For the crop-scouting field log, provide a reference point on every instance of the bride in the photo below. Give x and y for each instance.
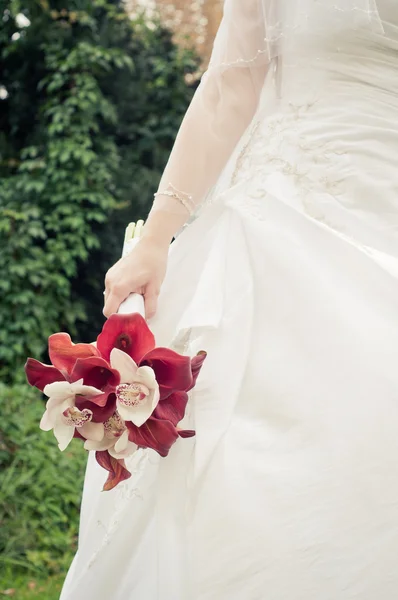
(286, 169)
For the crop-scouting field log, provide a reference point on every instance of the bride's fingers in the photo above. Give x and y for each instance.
(151, 303)
(112, 303)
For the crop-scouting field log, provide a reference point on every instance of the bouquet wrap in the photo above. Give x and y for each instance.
(135, 302)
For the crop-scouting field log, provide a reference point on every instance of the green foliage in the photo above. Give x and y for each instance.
(40, 487)
(22, 587)
(93, 105)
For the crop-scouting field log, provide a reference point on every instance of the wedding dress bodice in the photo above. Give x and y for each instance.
(355, 57)
(322, 112)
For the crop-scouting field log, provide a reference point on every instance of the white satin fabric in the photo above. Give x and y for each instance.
(288, 279)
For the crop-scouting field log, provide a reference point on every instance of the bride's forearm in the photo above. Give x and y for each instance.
(213, 124)
(163, 225)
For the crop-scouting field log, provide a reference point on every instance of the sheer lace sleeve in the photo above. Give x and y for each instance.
(252, 34)
(221, 110)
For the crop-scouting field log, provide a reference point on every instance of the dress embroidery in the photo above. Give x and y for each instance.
(124, 493)
(275, 145)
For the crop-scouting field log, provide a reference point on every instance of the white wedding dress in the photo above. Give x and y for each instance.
(289, 279)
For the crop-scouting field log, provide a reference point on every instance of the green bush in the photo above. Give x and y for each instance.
(40, 488)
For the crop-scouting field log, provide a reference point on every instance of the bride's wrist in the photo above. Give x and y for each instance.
(162, 226)
(155, 239)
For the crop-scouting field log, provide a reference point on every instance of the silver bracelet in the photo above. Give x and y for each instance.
(185, 199)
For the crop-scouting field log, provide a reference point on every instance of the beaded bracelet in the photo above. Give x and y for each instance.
(185, 199)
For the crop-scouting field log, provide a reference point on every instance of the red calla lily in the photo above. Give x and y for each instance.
(96, 372)
(64, 353)
(173, 371)
(101, 412)
(39, 375)
(129, 333)
(196, 366)
(155, 433)
(116, 468)
(172, 408)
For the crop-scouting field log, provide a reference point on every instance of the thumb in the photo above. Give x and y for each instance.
(112, 303)
(151, 302)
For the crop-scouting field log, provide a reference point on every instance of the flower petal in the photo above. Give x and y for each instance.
(46, 423)
(40, 375)
(59, 390)
(128, 451)
(64, 434)
(129, 333)
(140, 413)
(92, 431)
(124, 364)
(156, 434)
(147, 376)
(186, 433)
(104, 444)
(122, 442)
(59, 403)
(126, 412)
(173, 371)
(172, 408)
(64, 353)
(54, 409)
(117, 469)
(87, 391)
(155, 398)
(196, 366)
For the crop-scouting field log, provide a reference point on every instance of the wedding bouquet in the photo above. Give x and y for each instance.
(118, 394)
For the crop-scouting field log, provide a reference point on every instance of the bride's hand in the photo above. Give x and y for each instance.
(142, 271)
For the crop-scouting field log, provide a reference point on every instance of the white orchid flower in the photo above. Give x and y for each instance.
(137, 396)
(64, 417)
(116, 439)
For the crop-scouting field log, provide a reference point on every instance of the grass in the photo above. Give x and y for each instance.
(30, 588)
